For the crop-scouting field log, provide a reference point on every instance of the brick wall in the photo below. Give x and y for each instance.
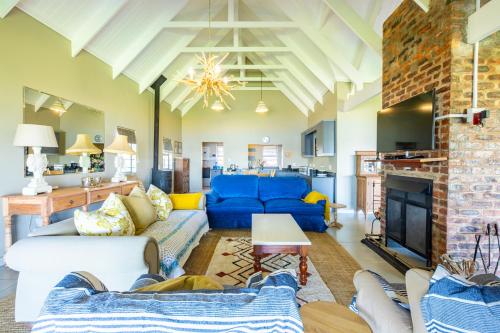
(424, 51)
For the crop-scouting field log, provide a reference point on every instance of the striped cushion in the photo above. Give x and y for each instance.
(74, 306)
(454, 304)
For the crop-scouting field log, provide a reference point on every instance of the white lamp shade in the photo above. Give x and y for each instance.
(31, 135)
(119, 146)
(217, 106)
(83, 144)
(261, 107)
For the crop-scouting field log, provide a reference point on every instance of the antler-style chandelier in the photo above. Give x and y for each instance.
(212, 81)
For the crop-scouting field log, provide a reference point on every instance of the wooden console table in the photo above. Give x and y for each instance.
(58, 200)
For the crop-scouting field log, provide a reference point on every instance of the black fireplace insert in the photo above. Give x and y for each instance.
(409, 214)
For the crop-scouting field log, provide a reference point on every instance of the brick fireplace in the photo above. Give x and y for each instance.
(424, 51)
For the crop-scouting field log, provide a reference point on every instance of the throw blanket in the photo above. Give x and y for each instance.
(176, 239)
(313, 198)
(454, 304)
(80, 303)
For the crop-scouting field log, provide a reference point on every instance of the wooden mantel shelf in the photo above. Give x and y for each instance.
(414, 162)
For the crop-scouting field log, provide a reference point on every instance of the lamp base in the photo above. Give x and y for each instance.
(28, 190)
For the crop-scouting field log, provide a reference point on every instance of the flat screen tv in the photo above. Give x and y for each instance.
(407, 126)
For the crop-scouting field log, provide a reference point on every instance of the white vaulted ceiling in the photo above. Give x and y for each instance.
(302, 47)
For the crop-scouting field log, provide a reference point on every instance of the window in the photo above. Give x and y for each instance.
(168, 154)
(129, 161)
(220, 154)
(271, 156)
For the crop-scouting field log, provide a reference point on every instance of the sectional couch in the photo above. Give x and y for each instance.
(234, 198)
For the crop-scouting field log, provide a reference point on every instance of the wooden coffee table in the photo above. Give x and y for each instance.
(279, 234)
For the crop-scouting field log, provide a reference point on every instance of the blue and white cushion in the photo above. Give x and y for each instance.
(74, 306)
(454, 304)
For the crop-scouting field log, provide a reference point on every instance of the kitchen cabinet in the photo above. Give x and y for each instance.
(319, 140)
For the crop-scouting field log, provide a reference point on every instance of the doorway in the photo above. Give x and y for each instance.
(212, 162)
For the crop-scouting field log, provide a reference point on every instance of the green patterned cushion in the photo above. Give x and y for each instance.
(112, 219)
(161, 202)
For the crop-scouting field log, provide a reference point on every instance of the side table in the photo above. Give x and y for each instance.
(329, 317)
(335, 207)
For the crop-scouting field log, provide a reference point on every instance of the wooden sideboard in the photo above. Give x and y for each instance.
(58, 200)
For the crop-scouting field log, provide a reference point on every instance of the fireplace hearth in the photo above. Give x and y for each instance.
(409, 214)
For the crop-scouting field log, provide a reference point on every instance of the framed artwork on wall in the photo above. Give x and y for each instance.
(177, 147)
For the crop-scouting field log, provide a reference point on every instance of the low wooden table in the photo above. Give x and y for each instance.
(328, 317)
(279, 234)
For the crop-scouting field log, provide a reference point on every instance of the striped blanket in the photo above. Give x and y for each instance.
(81, 303)
(176, 238)
(454, 304)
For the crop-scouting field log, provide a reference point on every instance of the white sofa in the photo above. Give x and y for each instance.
(51, 252)
(381, 313)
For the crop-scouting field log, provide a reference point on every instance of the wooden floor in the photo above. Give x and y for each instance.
(335, 265)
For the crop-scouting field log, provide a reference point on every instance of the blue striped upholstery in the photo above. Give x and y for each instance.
(270, 306)
(454, 304)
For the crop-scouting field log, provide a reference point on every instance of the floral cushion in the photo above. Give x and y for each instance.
(112, 219)
(161, 202)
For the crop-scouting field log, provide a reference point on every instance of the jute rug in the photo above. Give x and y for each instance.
(333, 263)
(232, 264)
(7, 322)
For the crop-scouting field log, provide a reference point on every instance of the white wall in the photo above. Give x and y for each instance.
(32, 55)
(240, 126)
(356, 130)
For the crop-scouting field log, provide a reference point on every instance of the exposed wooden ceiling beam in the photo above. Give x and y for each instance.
(293, 99)
(484, 22)
(359, 26)
(255, 79)
(247, 88)
(233, 49)
(321, 42)
(372, 16)
(93, 26)
(288, 81)
(140, 44)
(230, 24)
(249, 67)
(6, 6)
(40, 101)
(424, 4)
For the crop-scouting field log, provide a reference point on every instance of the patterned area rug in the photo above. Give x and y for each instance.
(232, 264)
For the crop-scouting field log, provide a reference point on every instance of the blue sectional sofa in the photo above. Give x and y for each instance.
(235, 198)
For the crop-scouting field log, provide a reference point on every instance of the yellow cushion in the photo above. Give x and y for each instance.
(161, 202)
(141, 209)
(112, 219)
(186, 200)
(187, 282)
(313, 198)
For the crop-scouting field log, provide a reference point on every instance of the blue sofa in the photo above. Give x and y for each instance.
(235, 198)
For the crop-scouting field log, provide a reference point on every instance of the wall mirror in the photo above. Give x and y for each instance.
(68, 120)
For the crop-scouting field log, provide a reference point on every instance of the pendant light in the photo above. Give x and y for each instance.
(261, 106)
(217, 106)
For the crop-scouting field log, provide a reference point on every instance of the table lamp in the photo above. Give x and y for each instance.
(36, 137)
(83, 147)
(119, 147)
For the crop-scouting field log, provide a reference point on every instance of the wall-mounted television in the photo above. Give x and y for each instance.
(408, 125)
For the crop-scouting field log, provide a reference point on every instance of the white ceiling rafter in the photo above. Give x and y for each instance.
(322, 43)
(145, 39)
(95, 24)
(359, 26)
(373, 14)
(292, 98)
(236, 49)
(424, 4)
(231, 24)
(6, 6)
(298, 92)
